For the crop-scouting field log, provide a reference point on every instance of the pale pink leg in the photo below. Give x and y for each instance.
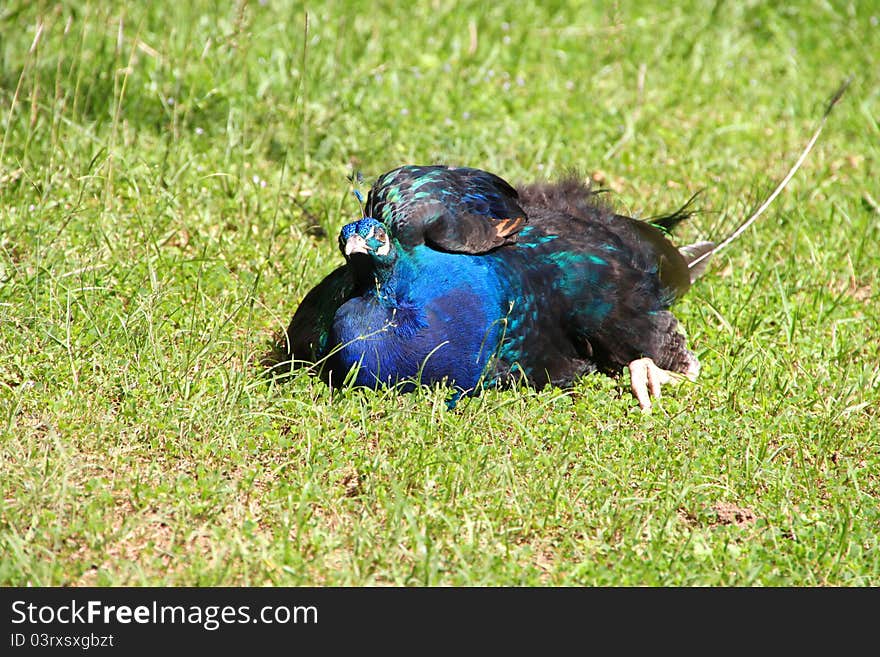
(647, 378)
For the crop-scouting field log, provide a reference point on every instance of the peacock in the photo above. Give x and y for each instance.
(454, 276)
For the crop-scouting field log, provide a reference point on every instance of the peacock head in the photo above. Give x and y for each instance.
(367, 238)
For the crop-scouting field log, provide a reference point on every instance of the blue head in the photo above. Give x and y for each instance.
(370, 238)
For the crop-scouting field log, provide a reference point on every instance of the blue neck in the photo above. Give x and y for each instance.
(409, 325)
(391, 283)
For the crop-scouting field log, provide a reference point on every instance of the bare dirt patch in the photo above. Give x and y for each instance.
(730, 514)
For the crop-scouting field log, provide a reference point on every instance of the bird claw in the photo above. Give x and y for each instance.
(646, 379)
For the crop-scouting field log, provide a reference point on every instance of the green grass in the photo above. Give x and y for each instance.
(172, 180)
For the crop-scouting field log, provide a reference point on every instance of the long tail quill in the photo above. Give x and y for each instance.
(701, 259)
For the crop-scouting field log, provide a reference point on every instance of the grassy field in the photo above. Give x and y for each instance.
(173, 176)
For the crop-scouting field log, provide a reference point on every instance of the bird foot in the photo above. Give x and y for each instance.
(646, 379)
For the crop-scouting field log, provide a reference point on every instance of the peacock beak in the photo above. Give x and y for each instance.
(355, 244)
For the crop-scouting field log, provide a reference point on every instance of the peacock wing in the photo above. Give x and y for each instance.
(456, 209)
